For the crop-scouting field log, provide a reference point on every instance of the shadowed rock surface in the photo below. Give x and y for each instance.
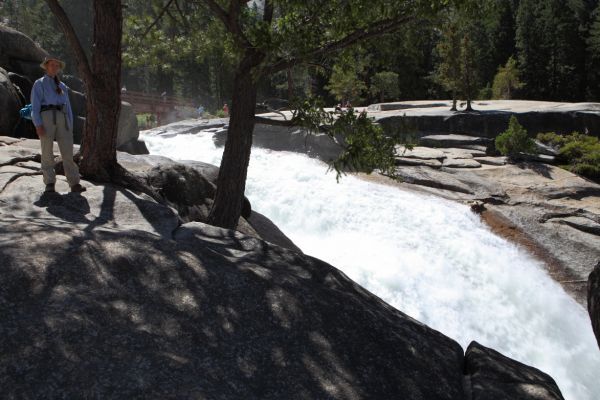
(492, 376)
(106, 295)
(594, 300)
(489, 119)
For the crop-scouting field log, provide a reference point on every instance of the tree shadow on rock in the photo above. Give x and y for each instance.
(127, 314)
(538, 168)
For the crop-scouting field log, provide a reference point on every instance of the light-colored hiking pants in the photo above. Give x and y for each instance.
(56, 127)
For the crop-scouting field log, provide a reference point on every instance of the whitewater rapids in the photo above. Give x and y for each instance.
(431, 258)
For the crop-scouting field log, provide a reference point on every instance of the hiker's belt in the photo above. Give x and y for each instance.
(57, 107)
(54, 108)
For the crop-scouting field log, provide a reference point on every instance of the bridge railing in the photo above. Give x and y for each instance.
(163, 107)
(147, 102)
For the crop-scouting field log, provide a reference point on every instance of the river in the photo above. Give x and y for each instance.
(431, 258)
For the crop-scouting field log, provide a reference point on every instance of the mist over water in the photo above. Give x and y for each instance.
(431, 258)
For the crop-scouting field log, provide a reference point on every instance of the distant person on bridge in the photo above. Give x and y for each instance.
(226, 109)
(53, 119)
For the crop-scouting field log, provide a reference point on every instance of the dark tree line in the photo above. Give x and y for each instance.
(556, 45)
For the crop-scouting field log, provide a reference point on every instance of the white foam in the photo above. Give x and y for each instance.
(430, 258)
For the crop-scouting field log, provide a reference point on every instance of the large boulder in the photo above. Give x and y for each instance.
(10, 104)
(20, 54)
(493, 376)
(78, 103)
(74, 83)
(128, 125)
(23, 84)
(106, 295)
(594, 300)
(490, 118)
(190, 189)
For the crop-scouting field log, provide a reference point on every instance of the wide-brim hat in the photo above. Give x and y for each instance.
(48, 59)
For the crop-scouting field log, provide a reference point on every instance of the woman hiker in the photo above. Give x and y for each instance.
(53, 119)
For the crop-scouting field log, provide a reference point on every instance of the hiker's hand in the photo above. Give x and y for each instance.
(40, 131)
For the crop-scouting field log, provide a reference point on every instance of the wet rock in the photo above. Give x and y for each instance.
(593, 302)
(493, 376)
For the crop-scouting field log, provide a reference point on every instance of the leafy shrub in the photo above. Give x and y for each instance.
(514, 142)
(579, 153)
(220, 114)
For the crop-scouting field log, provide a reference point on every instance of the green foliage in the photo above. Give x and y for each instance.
(551, 48)
(365, 147)
(514, 141)
(506, 80)
(220, 114)
(385, 84)
(345, 84)
(485, 93)
(448, 71)
(459, 54)
(577, 152)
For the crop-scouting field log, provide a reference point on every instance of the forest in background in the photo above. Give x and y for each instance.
(523, 49)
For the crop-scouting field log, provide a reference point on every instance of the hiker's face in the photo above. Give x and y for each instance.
(52, 67)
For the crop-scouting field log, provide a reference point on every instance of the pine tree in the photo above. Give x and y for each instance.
(593, 56)
(448, 71)
(506, 80)
(551, 49)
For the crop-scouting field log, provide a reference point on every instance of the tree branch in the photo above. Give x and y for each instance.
(160, 15)
(375, 29)
(182, 15)
(276, 122)
(231, 20)
(83, 64)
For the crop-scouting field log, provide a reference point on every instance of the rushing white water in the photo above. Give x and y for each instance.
(430, 258)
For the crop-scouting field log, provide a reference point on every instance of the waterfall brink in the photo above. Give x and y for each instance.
(431, 258)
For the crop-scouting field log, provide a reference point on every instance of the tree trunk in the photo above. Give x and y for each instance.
(290, 83)
(231, 182)
(453, 102)
(469, 108)
(98, 154)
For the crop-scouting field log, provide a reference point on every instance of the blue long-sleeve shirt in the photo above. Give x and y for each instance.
(44, 93)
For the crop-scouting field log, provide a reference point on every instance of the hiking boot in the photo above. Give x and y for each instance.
(50, 188)
(77, 188)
